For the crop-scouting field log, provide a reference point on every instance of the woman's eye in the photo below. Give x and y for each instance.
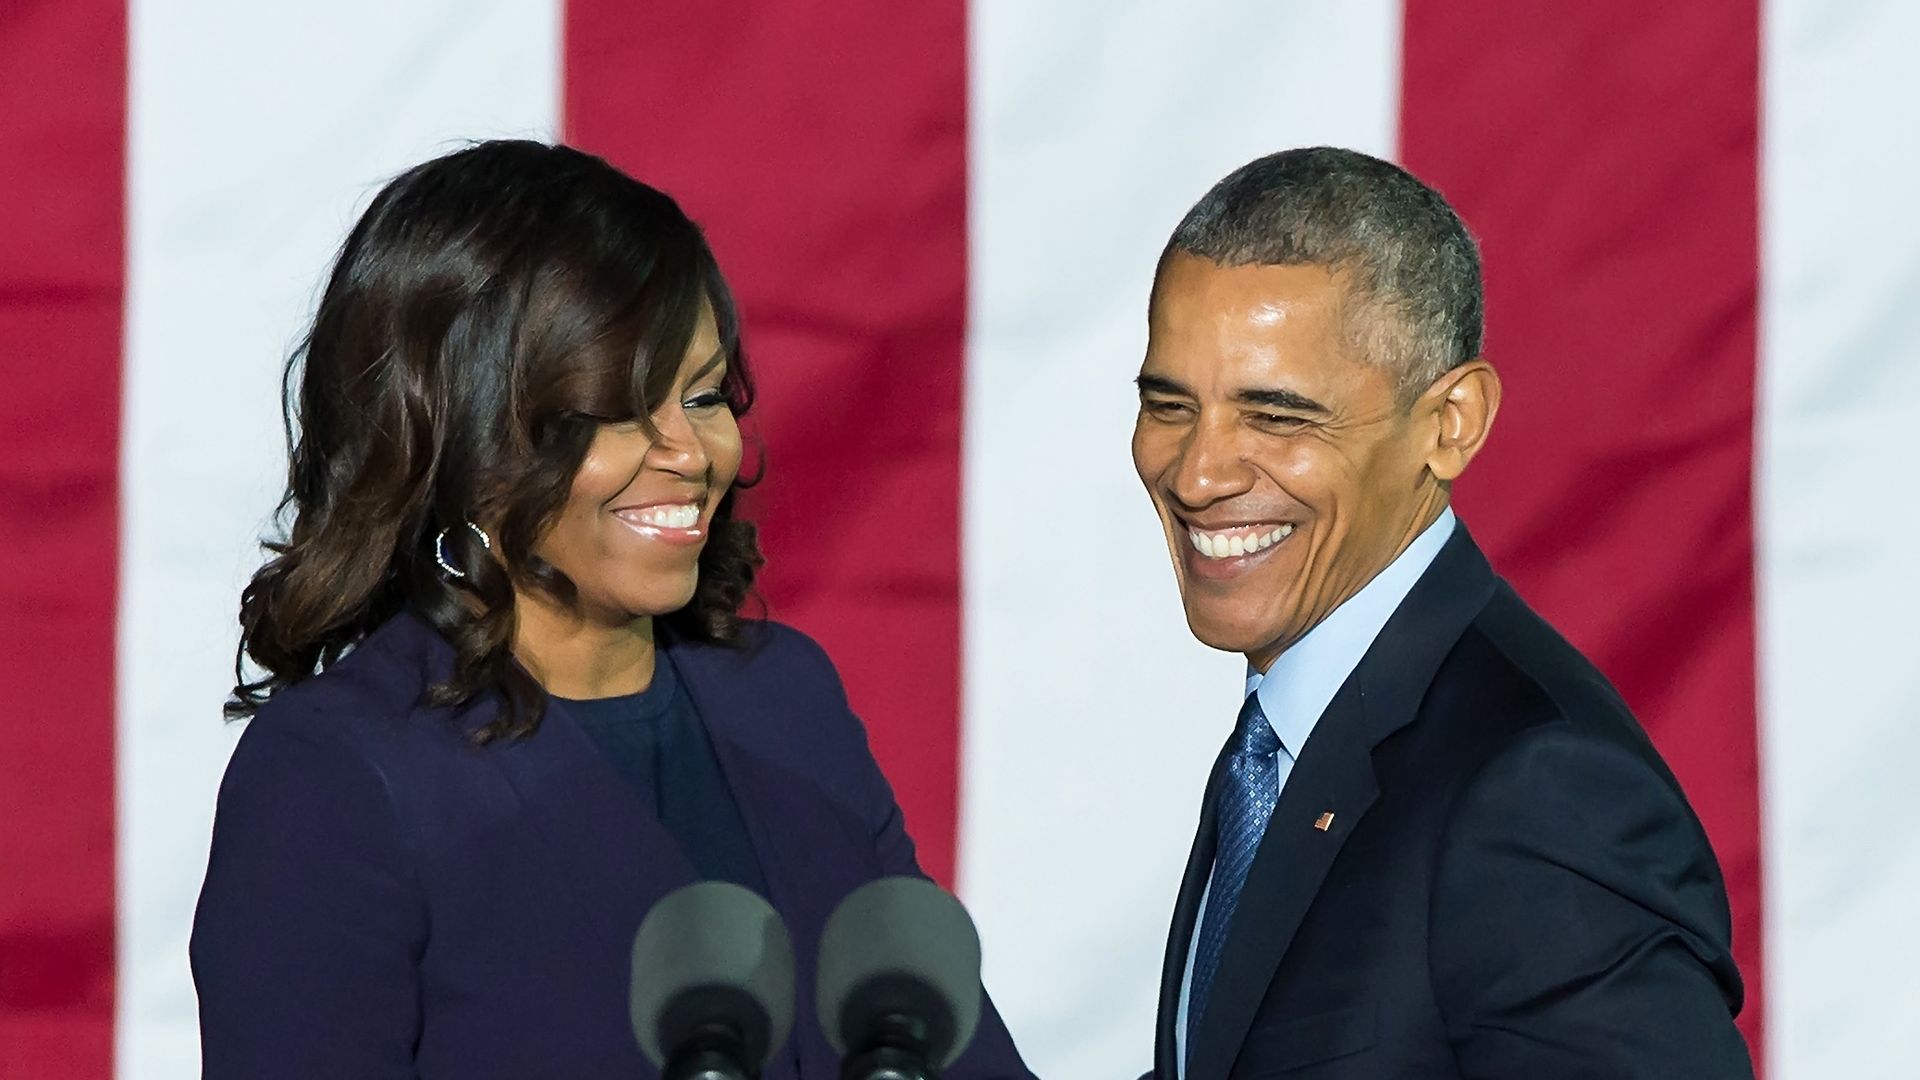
(711, 399)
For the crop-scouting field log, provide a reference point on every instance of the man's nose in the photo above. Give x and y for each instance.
(1211, 465)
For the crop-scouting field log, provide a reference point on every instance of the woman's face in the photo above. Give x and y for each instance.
(641, 507)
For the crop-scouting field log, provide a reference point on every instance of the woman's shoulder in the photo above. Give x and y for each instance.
(356, 740)
(764, 652)
(366, 696)
(775, 686)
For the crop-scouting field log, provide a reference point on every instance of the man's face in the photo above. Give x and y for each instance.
(1285, 470)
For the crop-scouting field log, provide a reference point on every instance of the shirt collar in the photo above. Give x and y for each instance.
(1300, 684)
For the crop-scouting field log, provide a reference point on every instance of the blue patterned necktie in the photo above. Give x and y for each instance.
(1247, 796)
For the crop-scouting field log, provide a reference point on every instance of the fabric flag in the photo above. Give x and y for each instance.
(941, 219)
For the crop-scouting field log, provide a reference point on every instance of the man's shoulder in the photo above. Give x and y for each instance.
(1516, 714)
(1555, 778)
(1510, 680)
(1512, 671)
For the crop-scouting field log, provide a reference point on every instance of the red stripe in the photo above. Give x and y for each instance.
(62, 131)
(1605, 154)
(823, 146)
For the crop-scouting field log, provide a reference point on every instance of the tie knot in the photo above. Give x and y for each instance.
(1253, 734)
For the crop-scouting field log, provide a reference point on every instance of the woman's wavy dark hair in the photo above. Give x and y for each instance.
(486, 314)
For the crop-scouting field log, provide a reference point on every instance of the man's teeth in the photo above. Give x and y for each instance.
(671, 517)
(1222, 545)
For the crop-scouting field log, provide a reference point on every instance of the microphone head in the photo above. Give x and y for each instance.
(900, 947)
(712, 956)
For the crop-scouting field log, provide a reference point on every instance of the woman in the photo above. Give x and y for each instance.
(508, 699)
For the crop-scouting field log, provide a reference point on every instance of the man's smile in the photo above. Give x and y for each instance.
(1235, 541)
(1222, 549)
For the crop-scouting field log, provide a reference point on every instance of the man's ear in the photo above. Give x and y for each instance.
(1462, 404)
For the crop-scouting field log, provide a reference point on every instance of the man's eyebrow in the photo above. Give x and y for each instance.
(1160, 384)
(1280, 399)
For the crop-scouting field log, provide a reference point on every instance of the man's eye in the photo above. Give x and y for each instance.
(1278, 420)
(1164, 410)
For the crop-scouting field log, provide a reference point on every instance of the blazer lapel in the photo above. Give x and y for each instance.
(1334, 775)
(614, 853)
(720, 705)
(1193, 886)
(805, 880)
(618, 856)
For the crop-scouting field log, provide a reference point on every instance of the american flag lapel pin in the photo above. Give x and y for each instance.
(1324, 821)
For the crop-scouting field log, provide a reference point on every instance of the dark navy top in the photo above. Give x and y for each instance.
(386, 900)
(657, 744)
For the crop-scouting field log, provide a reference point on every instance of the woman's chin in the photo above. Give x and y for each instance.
(655, 603)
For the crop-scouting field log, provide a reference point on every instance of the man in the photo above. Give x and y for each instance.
(1437, 843)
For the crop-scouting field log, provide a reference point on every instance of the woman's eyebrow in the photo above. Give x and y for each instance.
(718, 358)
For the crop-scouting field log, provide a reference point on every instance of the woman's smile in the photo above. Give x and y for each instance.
(679, 523)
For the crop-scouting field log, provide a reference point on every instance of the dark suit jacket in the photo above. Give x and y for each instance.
(386, 900)
(1512, 884)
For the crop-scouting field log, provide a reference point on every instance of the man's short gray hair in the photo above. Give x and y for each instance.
(1411, 267)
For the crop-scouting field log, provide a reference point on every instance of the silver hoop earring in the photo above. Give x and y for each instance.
(440, 549)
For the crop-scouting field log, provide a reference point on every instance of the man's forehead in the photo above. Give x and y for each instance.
(1256, 335)
(1253, 366)
(1250, 290)
(1255, 314)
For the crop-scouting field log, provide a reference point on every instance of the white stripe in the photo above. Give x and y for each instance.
(1091, 714)
(1839, 579)
(257, 131)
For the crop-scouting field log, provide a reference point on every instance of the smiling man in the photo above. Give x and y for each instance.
(1436, 843)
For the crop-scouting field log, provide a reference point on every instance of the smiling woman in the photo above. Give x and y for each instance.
(506, 696)
(493, 342)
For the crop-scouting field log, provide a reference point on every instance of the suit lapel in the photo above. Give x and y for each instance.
(1193, 886)
(1334, 775)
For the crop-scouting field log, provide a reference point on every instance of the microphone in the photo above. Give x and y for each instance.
(899, 980)
(712, 994)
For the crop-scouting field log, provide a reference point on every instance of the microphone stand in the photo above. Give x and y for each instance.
(895, 1049)
(712, 1052)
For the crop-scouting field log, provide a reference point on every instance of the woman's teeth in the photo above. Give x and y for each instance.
(1230, 543)
(685, 516)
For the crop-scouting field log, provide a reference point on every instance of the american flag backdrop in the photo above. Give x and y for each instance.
(941, 217)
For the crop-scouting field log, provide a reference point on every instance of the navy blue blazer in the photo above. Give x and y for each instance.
(1479, 867)
(385, 899)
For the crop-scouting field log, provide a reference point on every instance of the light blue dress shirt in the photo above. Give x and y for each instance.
(1299, 685)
